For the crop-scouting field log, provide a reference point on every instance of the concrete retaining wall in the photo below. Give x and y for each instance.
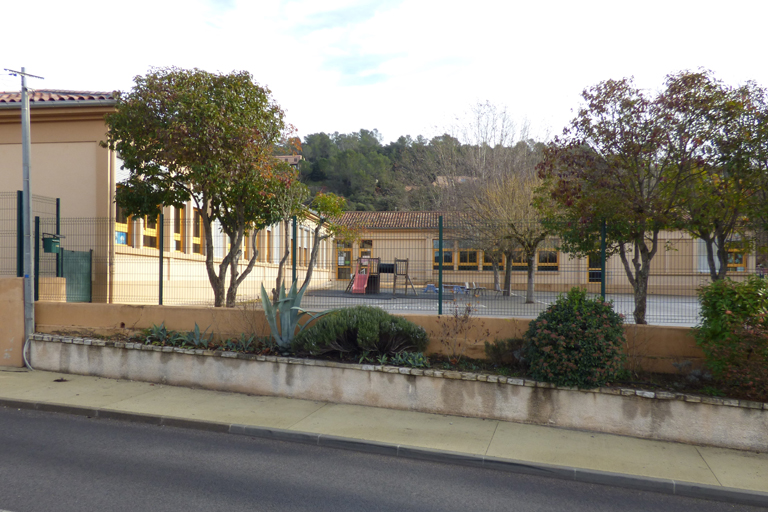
(664, 416)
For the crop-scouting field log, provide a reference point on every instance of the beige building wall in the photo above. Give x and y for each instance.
(676, 269)
(66, 159)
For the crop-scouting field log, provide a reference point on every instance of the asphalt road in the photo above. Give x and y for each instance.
(52, 462)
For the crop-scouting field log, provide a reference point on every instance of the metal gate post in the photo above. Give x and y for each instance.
(440, 266)
(294, 277)
(36, 268)
(602, 261)
(19, 234)
(160, 248)
(58, 232)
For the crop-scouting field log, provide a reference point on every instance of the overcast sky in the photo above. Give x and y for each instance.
(403, 67)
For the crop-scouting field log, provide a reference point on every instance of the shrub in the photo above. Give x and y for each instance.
(359, 330)
(577, 341)
(733, 333)
(456, 328)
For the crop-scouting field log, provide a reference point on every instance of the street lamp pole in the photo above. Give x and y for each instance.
(29, 270)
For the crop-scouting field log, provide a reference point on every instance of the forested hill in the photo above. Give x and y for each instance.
(408, 174)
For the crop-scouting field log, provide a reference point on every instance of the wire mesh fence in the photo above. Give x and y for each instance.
(407, 266)
(11, 242)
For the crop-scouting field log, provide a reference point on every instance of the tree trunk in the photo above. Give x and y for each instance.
(710, 242)
(313, 255)
(529, 289)
(722, 255)
(281, 267)
(217, 280)
(641, 261)
(508, 275)
(641, 297)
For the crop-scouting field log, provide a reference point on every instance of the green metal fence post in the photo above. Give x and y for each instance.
(293, 253)
(36, 268)
(602, 261)
(160, 244)
(19, 234)
(58, 232)
(440, 266)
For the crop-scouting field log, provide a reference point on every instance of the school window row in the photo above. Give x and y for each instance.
(143, 233)
(460, 258)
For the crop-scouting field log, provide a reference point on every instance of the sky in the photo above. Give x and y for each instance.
(412, 67)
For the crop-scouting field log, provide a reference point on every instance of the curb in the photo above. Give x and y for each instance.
(659, 485)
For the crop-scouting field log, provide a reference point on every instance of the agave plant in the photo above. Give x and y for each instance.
(197, 338)
(160, 334)
(285, 317)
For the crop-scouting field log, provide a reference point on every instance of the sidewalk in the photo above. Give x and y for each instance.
(716, 473)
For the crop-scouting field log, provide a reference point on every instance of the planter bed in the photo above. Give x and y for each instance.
(727, 423)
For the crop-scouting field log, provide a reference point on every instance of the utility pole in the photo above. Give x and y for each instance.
(29, 270)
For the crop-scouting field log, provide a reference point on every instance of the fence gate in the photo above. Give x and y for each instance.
(76, 268)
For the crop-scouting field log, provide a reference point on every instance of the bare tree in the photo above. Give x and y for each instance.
(505, 217)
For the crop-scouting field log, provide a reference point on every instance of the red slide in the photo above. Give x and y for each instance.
(361, 281)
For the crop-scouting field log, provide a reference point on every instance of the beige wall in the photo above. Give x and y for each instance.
(66, 160)
(11, 321)
(650, 348)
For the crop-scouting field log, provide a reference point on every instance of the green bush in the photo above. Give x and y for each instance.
(733, 333)
(361, 330)
(577, 341)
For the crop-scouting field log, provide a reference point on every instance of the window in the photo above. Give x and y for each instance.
(737, 257)
(197, 233)
(178, 229)
(488, 258)
(468, 260)
(548, 261)
(595, 268)
(123, 223)
(343, 260)
(150, 232)
(447, 254)
(366, 247)
(268, 248)
(518, 261)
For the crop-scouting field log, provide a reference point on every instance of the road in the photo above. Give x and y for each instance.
(52, 462)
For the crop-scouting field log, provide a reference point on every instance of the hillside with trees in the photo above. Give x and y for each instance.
(441, 173)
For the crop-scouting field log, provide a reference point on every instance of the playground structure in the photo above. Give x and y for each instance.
(367, 276)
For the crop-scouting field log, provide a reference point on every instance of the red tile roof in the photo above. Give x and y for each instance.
(41, 96)
(397, 220)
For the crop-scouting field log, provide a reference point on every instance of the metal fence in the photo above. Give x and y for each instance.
(403, 269)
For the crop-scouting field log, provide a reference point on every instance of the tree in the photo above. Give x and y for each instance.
(287, 204)
(322, 212)
(619, 163)
(193, 135)
(725, 123)
(506, 220)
